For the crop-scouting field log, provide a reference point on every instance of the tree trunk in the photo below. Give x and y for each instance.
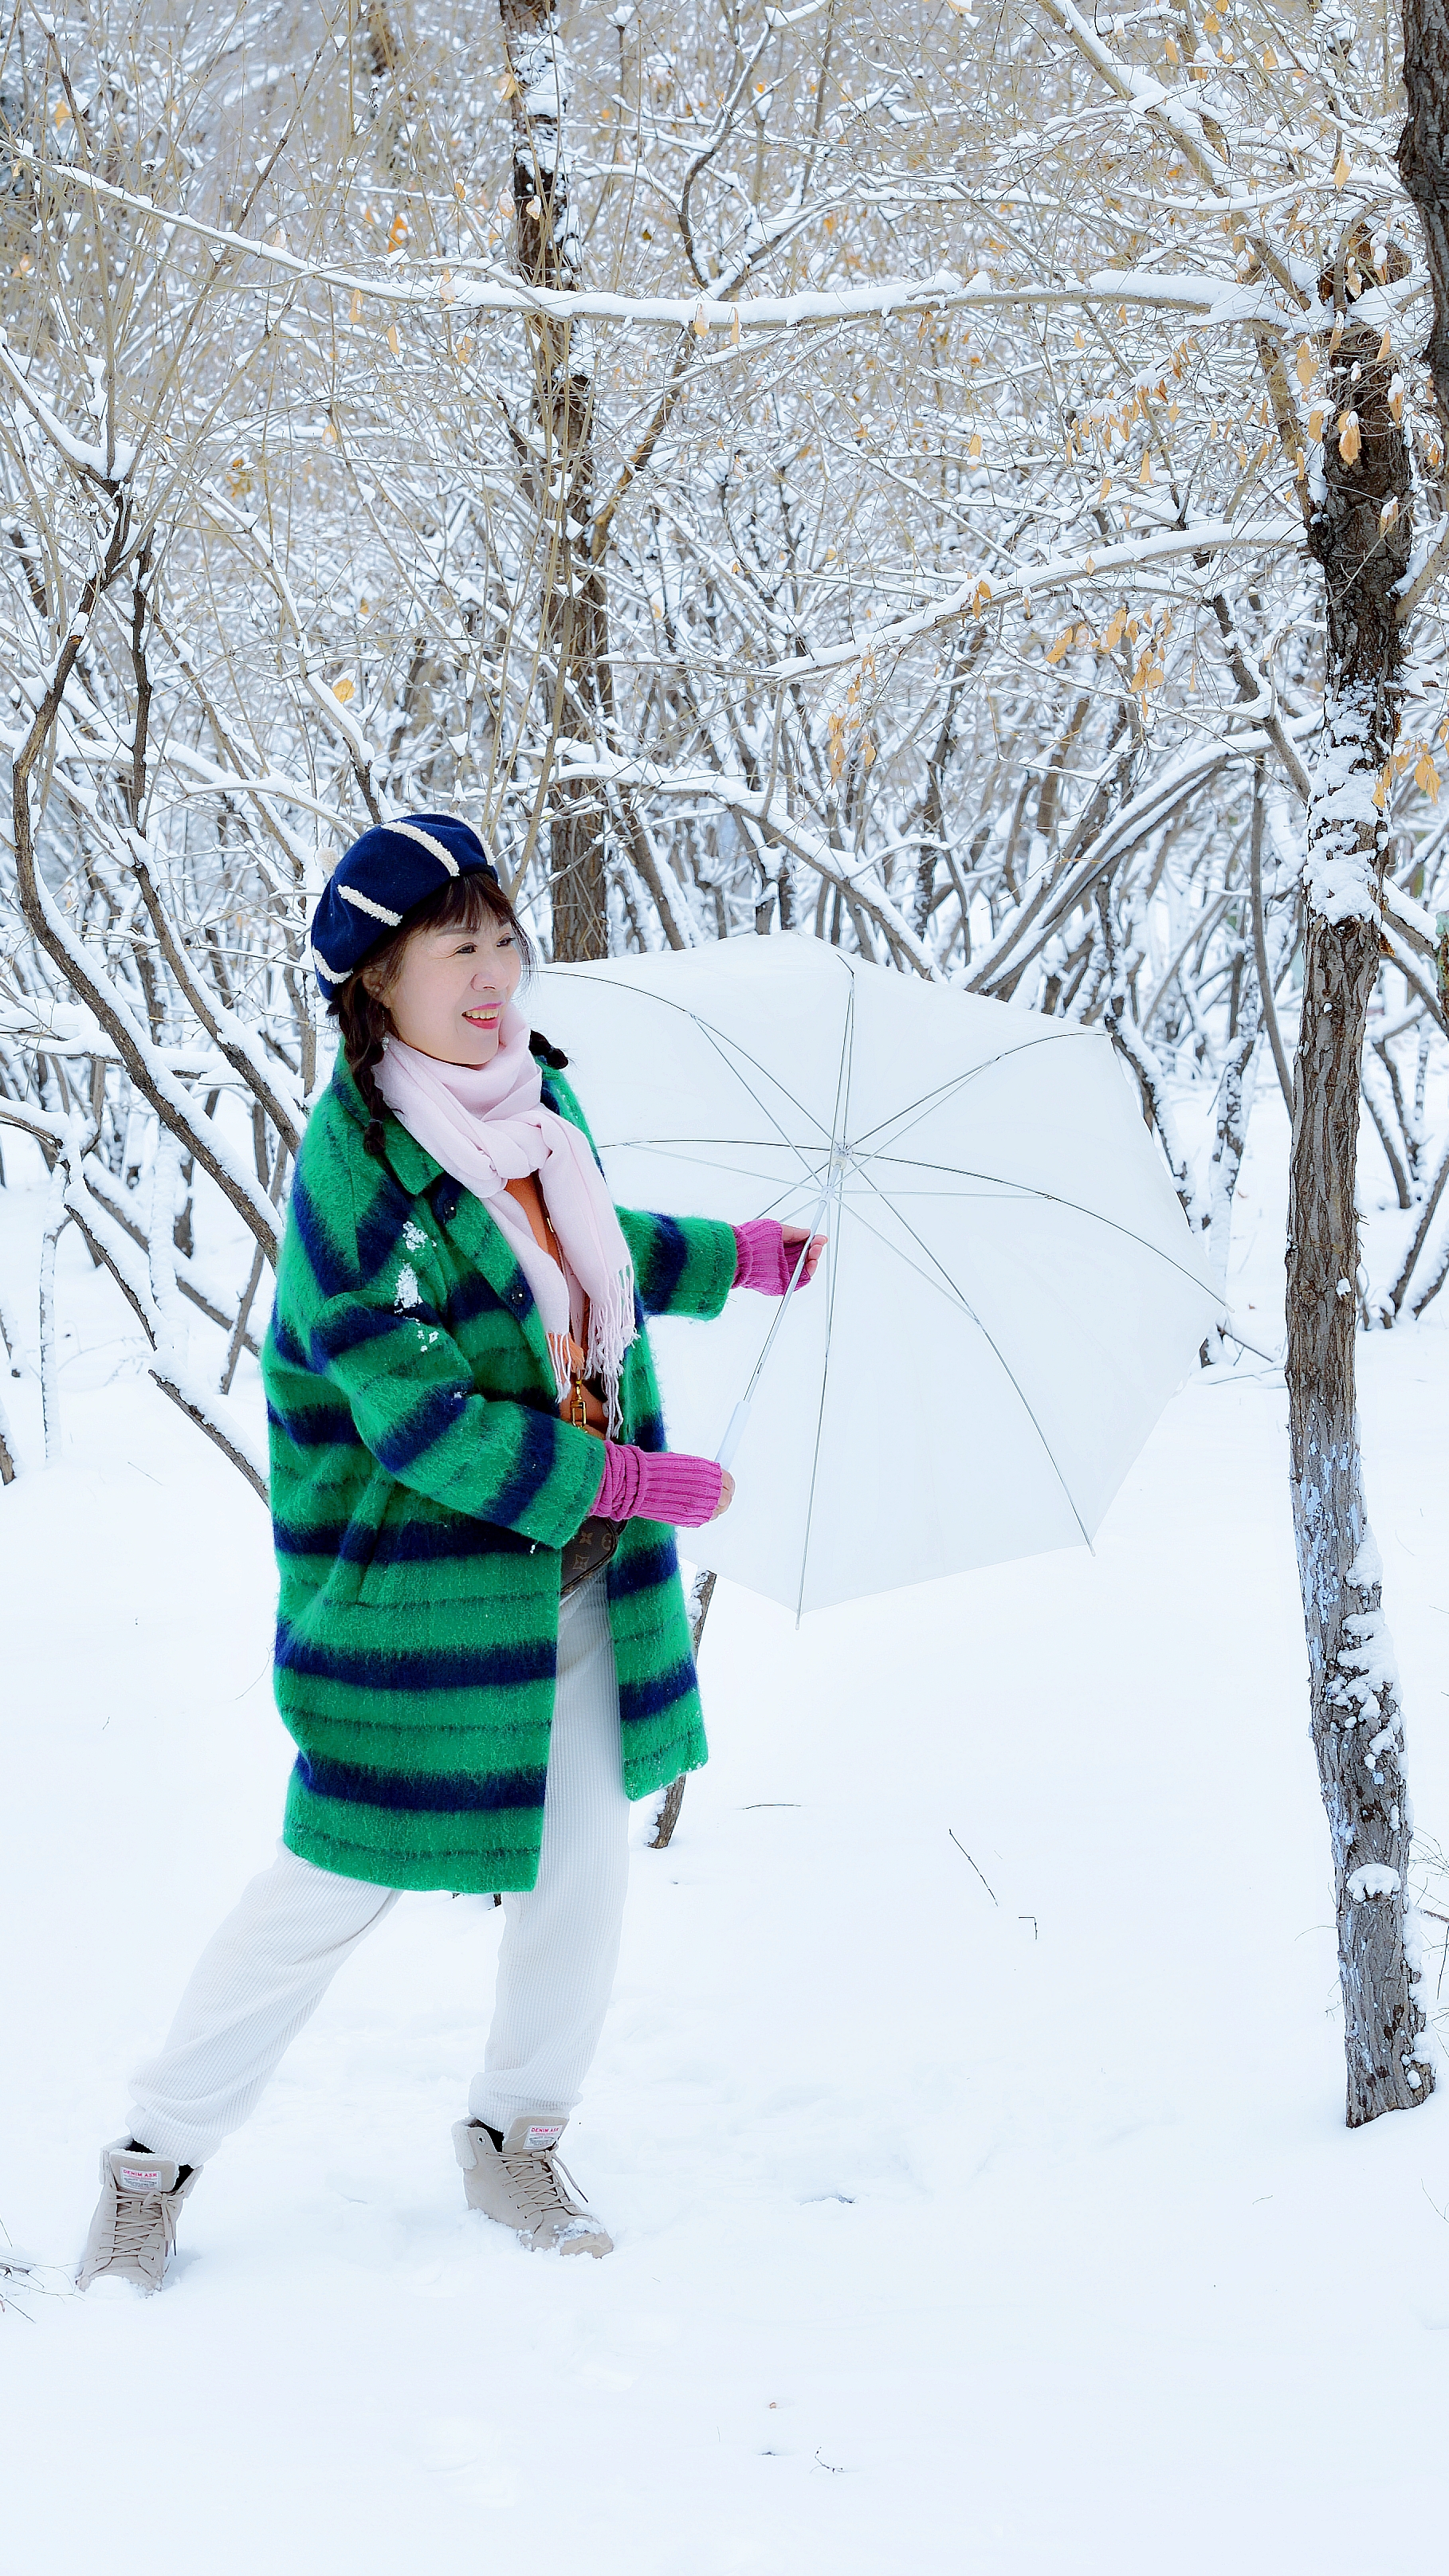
(1423, 158)
(546, 251)
(1356, 1725)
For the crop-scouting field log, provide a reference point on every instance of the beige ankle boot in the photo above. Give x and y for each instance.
(522, 2185)
(133, 2233)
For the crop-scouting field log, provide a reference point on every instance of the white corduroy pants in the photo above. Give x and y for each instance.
(265, 1971)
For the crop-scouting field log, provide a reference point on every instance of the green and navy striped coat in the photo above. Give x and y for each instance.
(422, 1488)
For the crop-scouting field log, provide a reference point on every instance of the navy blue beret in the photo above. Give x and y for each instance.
(380, 879)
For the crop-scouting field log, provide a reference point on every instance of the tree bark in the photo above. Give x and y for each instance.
(546, 252)
(1360, 532)
(1423, 158)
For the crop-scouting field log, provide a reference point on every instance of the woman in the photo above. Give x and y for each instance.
(482, 1649)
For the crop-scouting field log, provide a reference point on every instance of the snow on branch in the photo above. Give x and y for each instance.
(482, 287)
(974, 596)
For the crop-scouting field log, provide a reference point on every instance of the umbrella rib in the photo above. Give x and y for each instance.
(693, 1151)
(718, 1041)
(765, 1111)
(928, 1100)
(992, 1344)
(1049, 1198)
(842, 1104)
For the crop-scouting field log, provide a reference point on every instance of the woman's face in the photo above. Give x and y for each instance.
(451, 989)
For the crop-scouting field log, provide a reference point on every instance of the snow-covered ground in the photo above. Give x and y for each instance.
(1004, 2226)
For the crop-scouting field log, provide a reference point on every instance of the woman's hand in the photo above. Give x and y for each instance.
(794, 1236)
(661, 1485)
(766, 1253)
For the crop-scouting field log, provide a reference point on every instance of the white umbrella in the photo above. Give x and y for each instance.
(1011, 1292)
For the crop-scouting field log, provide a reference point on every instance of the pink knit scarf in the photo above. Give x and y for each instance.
(486, 1124)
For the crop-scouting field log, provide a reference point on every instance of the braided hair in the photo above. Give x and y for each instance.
(464, 903)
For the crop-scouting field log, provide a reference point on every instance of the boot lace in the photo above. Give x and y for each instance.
(138, 2214)
(534, 2175)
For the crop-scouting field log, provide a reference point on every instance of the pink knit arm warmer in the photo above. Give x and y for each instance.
(657, 1485)
(761, 1260)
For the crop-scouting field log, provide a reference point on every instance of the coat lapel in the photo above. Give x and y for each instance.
(467, 1223)
(480, 1240)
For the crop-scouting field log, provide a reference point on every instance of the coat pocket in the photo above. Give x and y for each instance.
(344, 1584)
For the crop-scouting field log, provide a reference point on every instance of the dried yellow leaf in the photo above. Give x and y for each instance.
(393, 342)
(973, 447)
(1270, 60)
(1146, 474)
(1303, 365)
(1342, 170)
(1315, 421)
(1385, 345)
(354, 310)
(1426, 777)
(1389, 512)
(735, 329)
(1349, 440)
(342, 690)
(1062, 645)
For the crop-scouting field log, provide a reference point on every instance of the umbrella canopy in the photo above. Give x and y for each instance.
(1011, 1291)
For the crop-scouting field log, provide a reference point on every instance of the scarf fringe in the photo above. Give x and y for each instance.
(611, 1331)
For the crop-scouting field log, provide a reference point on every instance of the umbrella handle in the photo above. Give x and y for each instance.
(734, 1433)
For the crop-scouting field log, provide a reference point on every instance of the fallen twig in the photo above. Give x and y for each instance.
(986, 1883)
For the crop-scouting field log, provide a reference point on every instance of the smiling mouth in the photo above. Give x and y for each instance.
(485, 1019)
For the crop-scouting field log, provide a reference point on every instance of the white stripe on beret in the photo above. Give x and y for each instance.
(364, 903)
(425, 840)
(329, 974)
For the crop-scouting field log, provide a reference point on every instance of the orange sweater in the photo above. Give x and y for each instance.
(529, 1197)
